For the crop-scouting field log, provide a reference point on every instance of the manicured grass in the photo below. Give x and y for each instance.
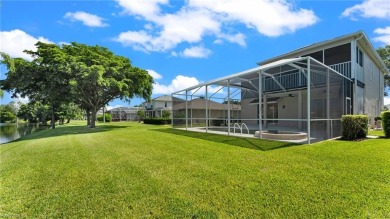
(376, 133)
(131, 170)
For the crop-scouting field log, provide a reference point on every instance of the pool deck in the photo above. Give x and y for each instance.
(243, 135)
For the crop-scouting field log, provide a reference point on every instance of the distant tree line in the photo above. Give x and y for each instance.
(60, 79)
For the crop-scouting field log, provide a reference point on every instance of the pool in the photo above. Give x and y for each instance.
(282, 135)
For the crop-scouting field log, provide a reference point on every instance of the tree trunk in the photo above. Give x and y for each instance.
(53, 118)
(104, 116)
(88, 116)
(68, 120)
(93, 119)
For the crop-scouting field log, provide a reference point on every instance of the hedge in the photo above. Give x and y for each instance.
(354, 126)
(386, 123)
(157, 121)
(107, 115)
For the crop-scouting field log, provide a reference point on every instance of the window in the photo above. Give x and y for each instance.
(359, 57)
(166, 104)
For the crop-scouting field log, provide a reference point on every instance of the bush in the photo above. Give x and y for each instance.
(354, 126)
(386, 123)
(157, 121)
(377, 118)
(107, 115)
(7, 116)
(166, 114)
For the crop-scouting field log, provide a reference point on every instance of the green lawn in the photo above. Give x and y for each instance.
(131, 170)
(376, 133)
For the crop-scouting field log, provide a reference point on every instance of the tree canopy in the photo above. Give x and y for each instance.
(8, 61)
(99, 76)
(45, 78)
(384, 53)
(88, 76)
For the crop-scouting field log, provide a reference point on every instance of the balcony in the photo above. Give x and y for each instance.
(343, 68)
(296, 79)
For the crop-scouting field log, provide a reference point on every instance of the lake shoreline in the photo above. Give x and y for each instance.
(12, 131)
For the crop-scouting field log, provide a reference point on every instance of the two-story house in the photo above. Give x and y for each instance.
(156, 106)
(305, 91)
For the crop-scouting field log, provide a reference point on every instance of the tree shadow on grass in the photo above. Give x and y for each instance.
(63, 130)
(251, 143)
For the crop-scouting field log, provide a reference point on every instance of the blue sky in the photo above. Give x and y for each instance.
(182, 43)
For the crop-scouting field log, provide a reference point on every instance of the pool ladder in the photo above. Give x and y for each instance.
(240, 127)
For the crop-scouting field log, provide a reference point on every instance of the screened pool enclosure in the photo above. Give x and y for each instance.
(299, 100)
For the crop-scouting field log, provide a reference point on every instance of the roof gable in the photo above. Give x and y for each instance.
(369, 49)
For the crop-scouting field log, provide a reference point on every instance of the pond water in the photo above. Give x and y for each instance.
(12, 131)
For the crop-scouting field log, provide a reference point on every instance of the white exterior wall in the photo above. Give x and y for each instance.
(248, 111)
(373, 90)
(161, 104)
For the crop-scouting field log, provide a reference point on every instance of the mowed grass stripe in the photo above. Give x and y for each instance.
(135, 170)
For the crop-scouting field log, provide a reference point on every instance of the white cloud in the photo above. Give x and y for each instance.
(384, 35)
(218, 41)
(238, 38)
(148, 9)
(139, 40)
(112, 107)
(22, 99)
(180, 82)
(87, 19)
(197, 19)
(369, 9)
(154, 74)
(270, 18)
(148, 27)
(386, 100)
(14, 42)
(188, 26)
(196, 52)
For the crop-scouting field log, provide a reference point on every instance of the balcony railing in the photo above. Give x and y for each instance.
(343, 68)
(289, 80)
(296, 79)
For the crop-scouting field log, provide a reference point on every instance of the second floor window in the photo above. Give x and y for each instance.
(359, 57)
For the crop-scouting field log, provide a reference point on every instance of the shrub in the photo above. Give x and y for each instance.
(166, 114)
(7, 117)
(107, 115)
(354, 126)
(141, 114)
(377, 118)
(157, 121)
(386, 123)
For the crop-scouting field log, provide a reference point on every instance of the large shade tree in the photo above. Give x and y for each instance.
(89, 76)
(44, 79)
(384, 53)
(99, 76)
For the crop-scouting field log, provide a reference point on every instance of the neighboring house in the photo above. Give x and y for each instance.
(217, 112)
(124, 113)
(156, 106)
(344, 75)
